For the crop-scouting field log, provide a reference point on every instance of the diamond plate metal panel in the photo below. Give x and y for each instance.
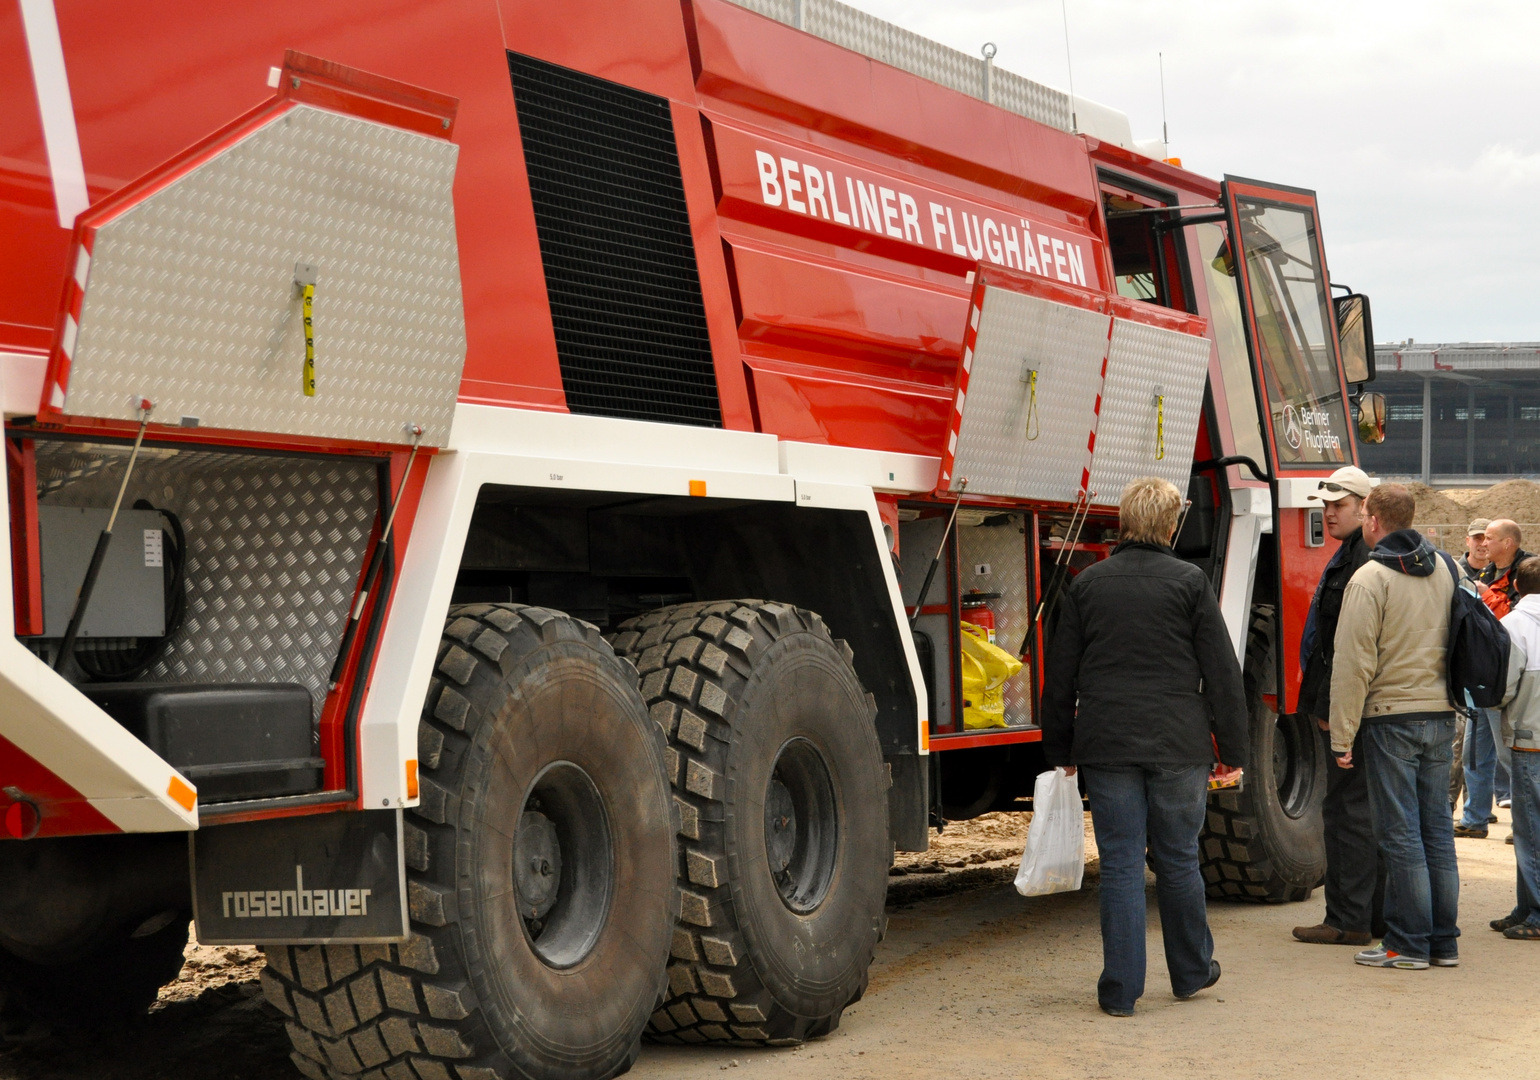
(190, 299)
(1140, 359)
(1004, 548)
(865, 34)
(275, 547)
(1065, 345)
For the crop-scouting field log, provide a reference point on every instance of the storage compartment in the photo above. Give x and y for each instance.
(985, 578)
(233, 740)
(219, 658)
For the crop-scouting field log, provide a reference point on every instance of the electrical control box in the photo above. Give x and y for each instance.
(130, 595)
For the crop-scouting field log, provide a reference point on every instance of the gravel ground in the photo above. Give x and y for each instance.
(974, 981)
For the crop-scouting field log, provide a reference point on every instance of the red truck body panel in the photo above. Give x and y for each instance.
(839, 207)
(822, 331)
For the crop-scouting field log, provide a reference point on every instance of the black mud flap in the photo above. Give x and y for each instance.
(321, 879)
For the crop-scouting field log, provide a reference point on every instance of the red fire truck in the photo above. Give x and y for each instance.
(493, 490)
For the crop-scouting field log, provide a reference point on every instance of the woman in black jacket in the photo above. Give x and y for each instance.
(1141, 683)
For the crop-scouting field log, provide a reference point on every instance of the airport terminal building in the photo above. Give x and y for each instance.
(1465, 414)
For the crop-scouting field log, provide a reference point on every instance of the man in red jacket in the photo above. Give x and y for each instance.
(1503, 538)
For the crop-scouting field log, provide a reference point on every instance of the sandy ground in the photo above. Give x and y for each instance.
(988, 984)
(974, 981)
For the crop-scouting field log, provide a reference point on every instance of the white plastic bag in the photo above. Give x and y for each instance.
(1054, 858)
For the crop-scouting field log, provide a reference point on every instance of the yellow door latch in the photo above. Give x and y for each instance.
(1160, 423)
(304, 279)
(1034, 428)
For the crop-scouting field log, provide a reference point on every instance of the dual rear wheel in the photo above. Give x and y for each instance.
(700, 852)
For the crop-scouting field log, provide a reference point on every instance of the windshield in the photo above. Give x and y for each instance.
(1299, 367)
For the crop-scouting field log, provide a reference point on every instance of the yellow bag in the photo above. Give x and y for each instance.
(985, 667)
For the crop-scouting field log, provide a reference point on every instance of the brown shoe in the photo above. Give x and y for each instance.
(1468, 832)
(1326, 934)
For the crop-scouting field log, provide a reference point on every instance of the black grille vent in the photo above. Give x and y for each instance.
(615, 240)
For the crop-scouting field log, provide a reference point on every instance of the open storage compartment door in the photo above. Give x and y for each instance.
(1024, 410)
(306, 227)
(1157, 361)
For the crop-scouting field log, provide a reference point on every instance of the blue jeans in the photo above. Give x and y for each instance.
(1526, 833)
(1158, 808)
(1409, 804)
(1486, 762)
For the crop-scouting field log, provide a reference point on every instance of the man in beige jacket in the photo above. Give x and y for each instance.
(1389, 677)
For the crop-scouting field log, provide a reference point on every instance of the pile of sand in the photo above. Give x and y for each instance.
(1518, 500)
(1437, 508)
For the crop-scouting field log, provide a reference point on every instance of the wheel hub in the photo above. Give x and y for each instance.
(563, 865)
(780, 827)
(536, 864)
(801, 826)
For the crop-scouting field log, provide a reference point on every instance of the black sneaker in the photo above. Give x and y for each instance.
(1471, 832)
(1213, 977)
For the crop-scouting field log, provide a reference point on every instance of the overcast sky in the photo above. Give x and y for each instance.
(1415, 123)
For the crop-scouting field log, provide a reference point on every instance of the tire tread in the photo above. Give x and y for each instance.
(690, 657)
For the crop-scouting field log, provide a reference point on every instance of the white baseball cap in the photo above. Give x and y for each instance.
(1348, 480)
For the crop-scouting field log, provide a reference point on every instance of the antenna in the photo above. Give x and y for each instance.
(1074, 120)
(1165, 138)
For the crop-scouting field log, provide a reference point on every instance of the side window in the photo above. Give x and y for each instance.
(1146, 264)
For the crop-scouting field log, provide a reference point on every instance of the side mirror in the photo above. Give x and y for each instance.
(1355, 334)
(1371, 418)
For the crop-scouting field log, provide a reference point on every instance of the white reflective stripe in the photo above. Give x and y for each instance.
(967, 359)
(961, 397)
(68, 341)
(57, 398)
(82, 268)
(951, 443)
(41, 25)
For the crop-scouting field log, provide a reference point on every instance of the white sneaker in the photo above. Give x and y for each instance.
(1505, 804)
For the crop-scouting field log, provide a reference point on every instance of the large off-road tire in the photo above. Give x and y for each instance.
(1265, 842)
(540, 875)
(782, 796)
(117, 980)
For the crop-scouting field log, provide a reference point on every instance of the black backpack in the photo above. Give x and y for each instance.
(1478, 649)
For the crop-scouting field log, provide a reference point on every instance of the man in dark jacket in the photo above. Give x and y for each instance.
(1142, 680)
(1355, 873)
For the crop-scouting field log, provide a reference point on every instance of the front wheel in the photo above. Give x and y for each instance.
(1265, 842)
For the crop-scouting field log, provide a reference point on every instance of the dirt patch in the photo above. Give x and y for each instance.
(969, 855)
(211, 1023)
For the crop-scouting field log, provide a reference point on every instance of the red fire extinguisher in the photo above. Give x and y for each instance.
(976, 610)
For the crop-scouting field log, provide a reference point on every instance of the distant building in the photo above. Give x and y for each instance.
(1458, 414)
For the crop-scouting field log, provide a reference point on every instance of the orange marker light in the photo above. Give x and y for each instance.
(411, 778)
(698, 488)
(182, 793)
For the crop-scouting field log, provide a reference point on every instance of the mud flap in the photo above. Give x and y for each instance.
(322, 879)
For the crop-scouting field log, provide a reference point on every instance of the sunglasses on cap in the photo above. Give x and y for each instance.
(1327, 485)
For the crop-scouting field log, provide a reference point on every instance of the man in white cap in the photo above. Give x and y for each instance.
(1355, 876)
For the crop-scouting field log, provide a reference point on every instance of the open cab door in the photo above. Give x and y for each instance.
(1278, 261)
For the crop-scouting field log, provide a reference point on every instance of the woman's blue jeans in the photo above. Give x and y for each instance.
(1159, 809)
